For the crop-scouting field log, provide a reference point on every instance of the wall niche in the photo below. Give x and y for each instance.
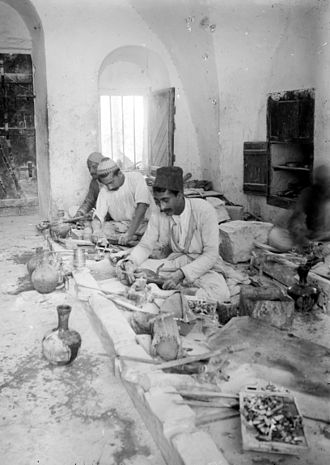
(290, 137)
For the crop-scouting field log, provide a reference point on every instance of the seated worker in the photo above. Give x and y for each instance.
(190, 228)
(126, 198)
(90, 200)
(310, 220)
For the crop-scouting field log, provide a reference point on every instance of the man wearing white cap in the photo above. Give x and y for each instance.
(126, 198)
(90, 200)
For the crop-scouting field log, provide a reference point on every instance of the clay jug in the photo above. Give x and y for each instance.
(61, 345)
(59, 229)
(45, 277)
(304, 295)
(35, 260)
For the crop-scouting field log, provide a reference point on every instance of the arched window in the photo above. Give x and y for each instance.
(123, 128)
(136, 113)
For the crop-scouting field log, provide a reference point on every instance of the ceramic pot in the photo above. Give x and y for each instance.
(45, 277)
(59, 229)
(304, 295)
(61, 345)
(35, 260)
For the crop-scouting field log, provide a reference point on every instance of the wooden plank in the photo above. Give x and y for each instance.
(194, 393)
(204, 356)
(192, 358)
(207, 404)
(203, 419)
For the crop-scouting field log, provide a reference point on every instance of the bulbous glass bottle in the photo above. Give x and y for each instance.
(61, 345)
(304, 295)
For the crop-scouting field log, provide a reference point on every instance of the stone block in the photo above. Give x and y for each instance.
(198, 448)
(269, 304)
(237, 239)
(132, 350)
(275, 266)
(85, 284)
(113, 320)
(176, 418)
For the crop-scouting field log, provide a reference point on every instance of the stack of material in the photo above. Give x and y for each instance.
(237, 239)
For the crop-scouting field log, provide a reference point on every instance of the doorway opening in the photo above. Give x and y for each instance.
(18, 172)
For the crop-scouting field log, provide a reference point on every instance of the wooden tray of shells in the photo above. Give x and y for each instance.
(271, 422)
(202, 306)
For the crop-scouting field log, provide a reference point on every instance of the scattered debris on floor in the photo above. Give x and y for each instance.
(199, 344)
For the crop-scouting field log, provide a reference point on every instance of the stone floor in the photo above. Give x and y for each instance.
(75, 415)
(80, 414)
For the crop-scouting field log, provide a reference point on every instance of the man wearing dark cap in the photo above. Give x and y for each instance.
(90, 200)
(189, 227)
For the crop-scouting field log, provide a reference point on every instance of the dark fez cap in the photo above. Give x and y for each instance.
(170, 178)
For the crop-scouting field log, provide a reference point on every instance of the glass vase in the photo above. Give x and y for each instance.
(304, 295)
(61, 345)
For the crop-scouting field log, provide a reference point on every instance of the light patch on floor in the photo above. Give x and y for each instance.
(74, 415)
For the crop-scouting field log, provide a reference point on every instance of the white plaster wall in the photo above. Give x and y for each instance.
(222, 76)
(261, 47)
(78, 36)
(184, 27)
(322, 75)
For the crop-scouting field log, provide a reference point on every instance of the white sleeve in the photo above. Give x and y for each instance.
(141, 190)
(141, 252)
(101, 208)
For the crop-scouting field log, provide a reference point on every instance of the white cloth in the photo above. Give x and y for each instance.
(121, 203)
(195, 249)
(180, 225)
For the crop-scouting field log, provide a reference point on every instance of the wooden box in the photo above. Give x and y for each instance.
(269, 304)
(251, 437)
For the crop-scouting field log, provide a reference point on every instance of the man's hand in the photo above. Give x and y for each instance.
(99, 238)
(175, 278)
(125, 238)
(125, 270)
(89, 216)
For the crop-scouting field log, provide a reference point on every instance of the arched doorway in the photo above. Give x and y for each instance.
(24, 164)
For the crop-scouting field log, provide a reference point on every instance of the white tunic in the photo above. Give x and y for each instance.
(121, 203)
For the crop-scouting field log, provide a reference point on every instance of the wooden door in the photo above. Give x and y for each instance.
(290, 116)
(255, 167)
(161, 128)
(18, 174)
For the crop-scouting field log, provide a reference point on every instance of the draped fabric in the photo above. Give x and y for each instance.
(194, 240)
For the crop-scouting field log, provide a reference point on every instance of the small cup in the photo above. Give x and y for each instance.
(79, 258)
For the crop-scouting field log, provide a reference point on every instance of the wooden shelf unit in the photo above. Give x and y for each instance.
(290, 133)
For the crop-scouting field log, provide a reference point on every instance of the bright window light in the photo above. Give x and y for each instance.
(122, 123)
